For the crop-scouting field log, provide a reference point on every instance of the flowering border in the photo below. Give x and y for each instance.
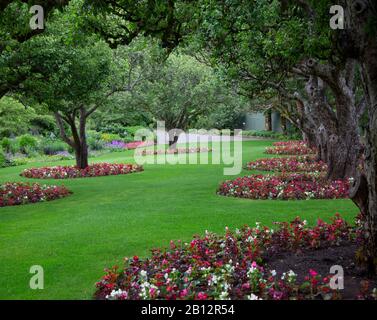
(70, 172)
(19, 193)
(290, 148)
(149, 152)
(285, 187)
(227, 267)
(289, 164)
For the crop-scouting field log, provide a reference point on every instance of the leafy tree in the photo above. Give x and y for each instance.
(72, 81)
(14, 32)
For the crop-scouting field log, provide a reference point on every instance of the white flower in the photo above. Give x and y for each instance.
(250, 239)
(224, 295)
(253, 297)
(116, 294)
(291, 273)
(143, 273)
(273, 273)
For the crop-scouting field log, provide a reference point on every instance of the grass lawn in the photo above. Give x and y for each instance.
(108, 218)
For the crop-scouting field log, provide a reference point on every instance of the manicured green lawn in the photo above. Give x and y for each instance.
(108, 218)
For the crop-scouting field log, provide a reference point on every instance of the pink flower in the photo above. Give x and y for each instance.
(313, 273)
(202, 296)
(183, 293)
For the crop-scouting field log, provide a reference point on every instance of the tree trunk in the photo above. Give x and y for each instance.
(361, 42)
(343, 156)
(173, 142)
(284, 125)
(366, 196)
(268, 120)
(81, 154)
(78, 141)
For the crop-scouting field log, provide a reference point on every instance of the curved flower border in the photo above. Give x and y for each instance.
(149, 152)
(285, 187)
(70, 172)
(290, 148)
(289, 164)
(230, 266)
(19, 193)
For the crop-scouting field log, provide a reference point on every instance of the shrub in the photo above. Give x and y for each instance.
(131, 130)
(17, 193)
(285, 187)
(3, 159)
(230, 266)
(109, 137)
(6, 144)
(95, 145)
(51, 147)
(115, 128)
(27, 143)
(69, 172)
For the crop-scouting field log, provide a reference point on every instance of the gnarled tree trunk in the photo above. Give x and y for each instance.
(78, 141)
(361, 42)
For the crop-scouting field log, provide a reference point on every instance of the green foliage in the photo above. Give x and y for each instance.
(94, 140)
(43, 124)
(108, 137)
(27, 143)
(225, 116)
(131, 130)
(113, 128)
(14, 117)
(2, 159)
(179, 91)
(52, 146)
(6, 145)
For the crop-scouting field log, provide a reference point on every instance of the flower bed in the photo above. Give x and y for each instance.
(285, 187)
(172, 151)
(288, 143)
(69, 172)
(231, 266)
(116, 145)
(138, 144)
(290, 148)
(17, 193)
(120, 145)
(289, 164)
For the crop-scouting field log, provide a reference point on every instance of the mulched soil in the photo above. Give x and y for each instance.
(321, 261)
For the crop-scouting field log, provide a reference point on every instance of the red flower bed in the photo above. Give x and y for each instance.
(287, 143)
(69, 172)
(138, 144)
(289, 164)
(12, 194)
(231, 266)
(290, 148)
(285, 187)
(173, 151)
